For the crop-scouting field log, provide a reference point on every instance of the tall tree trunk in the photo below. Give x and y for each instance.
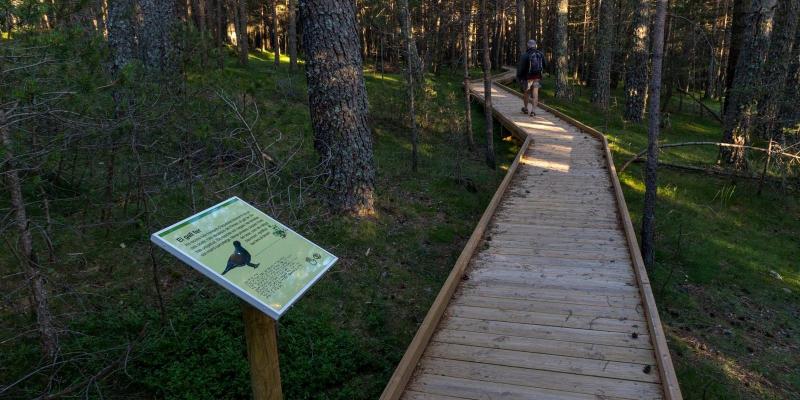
(120, 33)
(292, 4)
(499, 34)
(276, 45)
(651, 167)
(30, 265)
(405, 30)
(338, 103)
(738, 119)
(156, 40)
(740, 9)
(467, 99)
(487, 86)
(221, 32)
(521, 39)
(636, 74)
(776, 69)
(200, 6)
(240, 26)
(562, 17)
(789, 113)
(601, 71)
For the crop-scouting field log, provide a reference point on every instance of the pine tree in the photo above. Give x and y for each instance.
(337, 99)
(562, 17)
(636, 73)
(601, 79)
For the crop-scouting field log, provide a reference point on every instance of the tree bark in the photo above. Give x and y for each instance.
(30, 265)
(276, 46)
(487, 87)
(601, 71)
(738, 117)
(292, 4)
(338, 103)
(240, 26)
(776, 69)
(651, 167)
(740, 9)
(405, 30)
(521, 39)
(467, 99)
(120, 34)
(789, 114)
(156, 36)
(220, 34)
(636, 74)
(562, 17)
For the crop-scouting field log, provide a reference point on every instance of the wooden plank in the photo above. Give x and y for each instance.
(412, 395)
(596, 323)
(405, 368)
(491, 289)
(547, 362)
(578, 288)
(597, 254)
(547, 346)
(544, 379)
(606, 280)
(550, 243)
(561, 261)
(642, 340)
(552, 272)
(501, 303)
(482, 390)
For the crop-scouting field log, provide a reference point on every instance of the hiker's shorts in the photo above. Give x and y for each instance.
(528, 84)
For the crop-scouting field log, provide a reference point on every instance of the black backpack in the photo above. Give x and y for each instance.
(534, 63)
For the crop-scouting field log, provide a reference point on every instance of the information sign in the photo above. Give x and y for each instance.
(246, 251)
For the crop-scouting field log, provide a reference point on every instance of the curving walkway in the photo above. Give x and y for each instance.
(549, 299)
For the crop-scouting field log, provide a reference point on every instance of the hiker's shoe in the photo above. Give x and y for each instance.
(533, 113)
(524, 110)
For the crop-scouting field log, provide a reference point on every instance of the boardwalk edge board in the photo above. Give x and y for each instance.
(671, 388)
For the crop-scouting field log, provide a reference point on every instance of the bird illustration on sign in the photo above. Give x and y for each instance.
(239, 258)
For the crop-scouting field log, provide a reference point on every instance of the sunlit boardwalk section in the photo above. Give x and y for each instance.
(551, 301)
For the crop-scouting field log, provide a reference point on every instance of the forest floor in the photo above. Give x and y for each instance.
(346, 336)
(727, 277)
(733, 325)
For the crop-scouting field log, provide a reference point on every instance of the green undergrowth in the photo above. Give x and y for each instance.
(727, 277)
(345, 337)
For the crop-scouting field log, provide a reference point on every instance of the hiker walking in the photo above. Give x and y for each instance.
(529, 75)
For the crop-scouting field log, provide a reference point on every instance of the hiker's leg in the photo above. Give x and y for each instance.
(535, 91)
(524, 86)
(525, 99)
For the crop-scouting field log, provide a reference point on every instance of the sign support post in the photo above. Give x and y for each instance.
(262, 352)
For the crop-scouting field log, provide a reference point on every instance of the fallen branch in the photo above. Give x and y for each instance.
(698, 101)
(711, 171)
(718, 144)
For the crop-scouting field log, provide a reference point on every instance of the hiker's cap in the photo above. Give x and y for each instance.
(532, 44)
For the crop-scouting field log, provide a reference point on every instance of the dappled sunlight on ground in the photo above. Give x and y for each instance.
(730, 368)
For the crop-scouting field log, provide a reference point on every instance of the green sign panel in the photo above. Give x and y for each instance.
(246, 251)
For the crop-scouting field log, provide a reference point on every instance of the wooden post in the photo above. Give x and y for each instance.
(766, 165)
(262, 351)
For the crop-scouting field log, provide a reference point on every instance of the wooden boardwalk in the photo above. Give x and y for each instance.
(549, 299)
